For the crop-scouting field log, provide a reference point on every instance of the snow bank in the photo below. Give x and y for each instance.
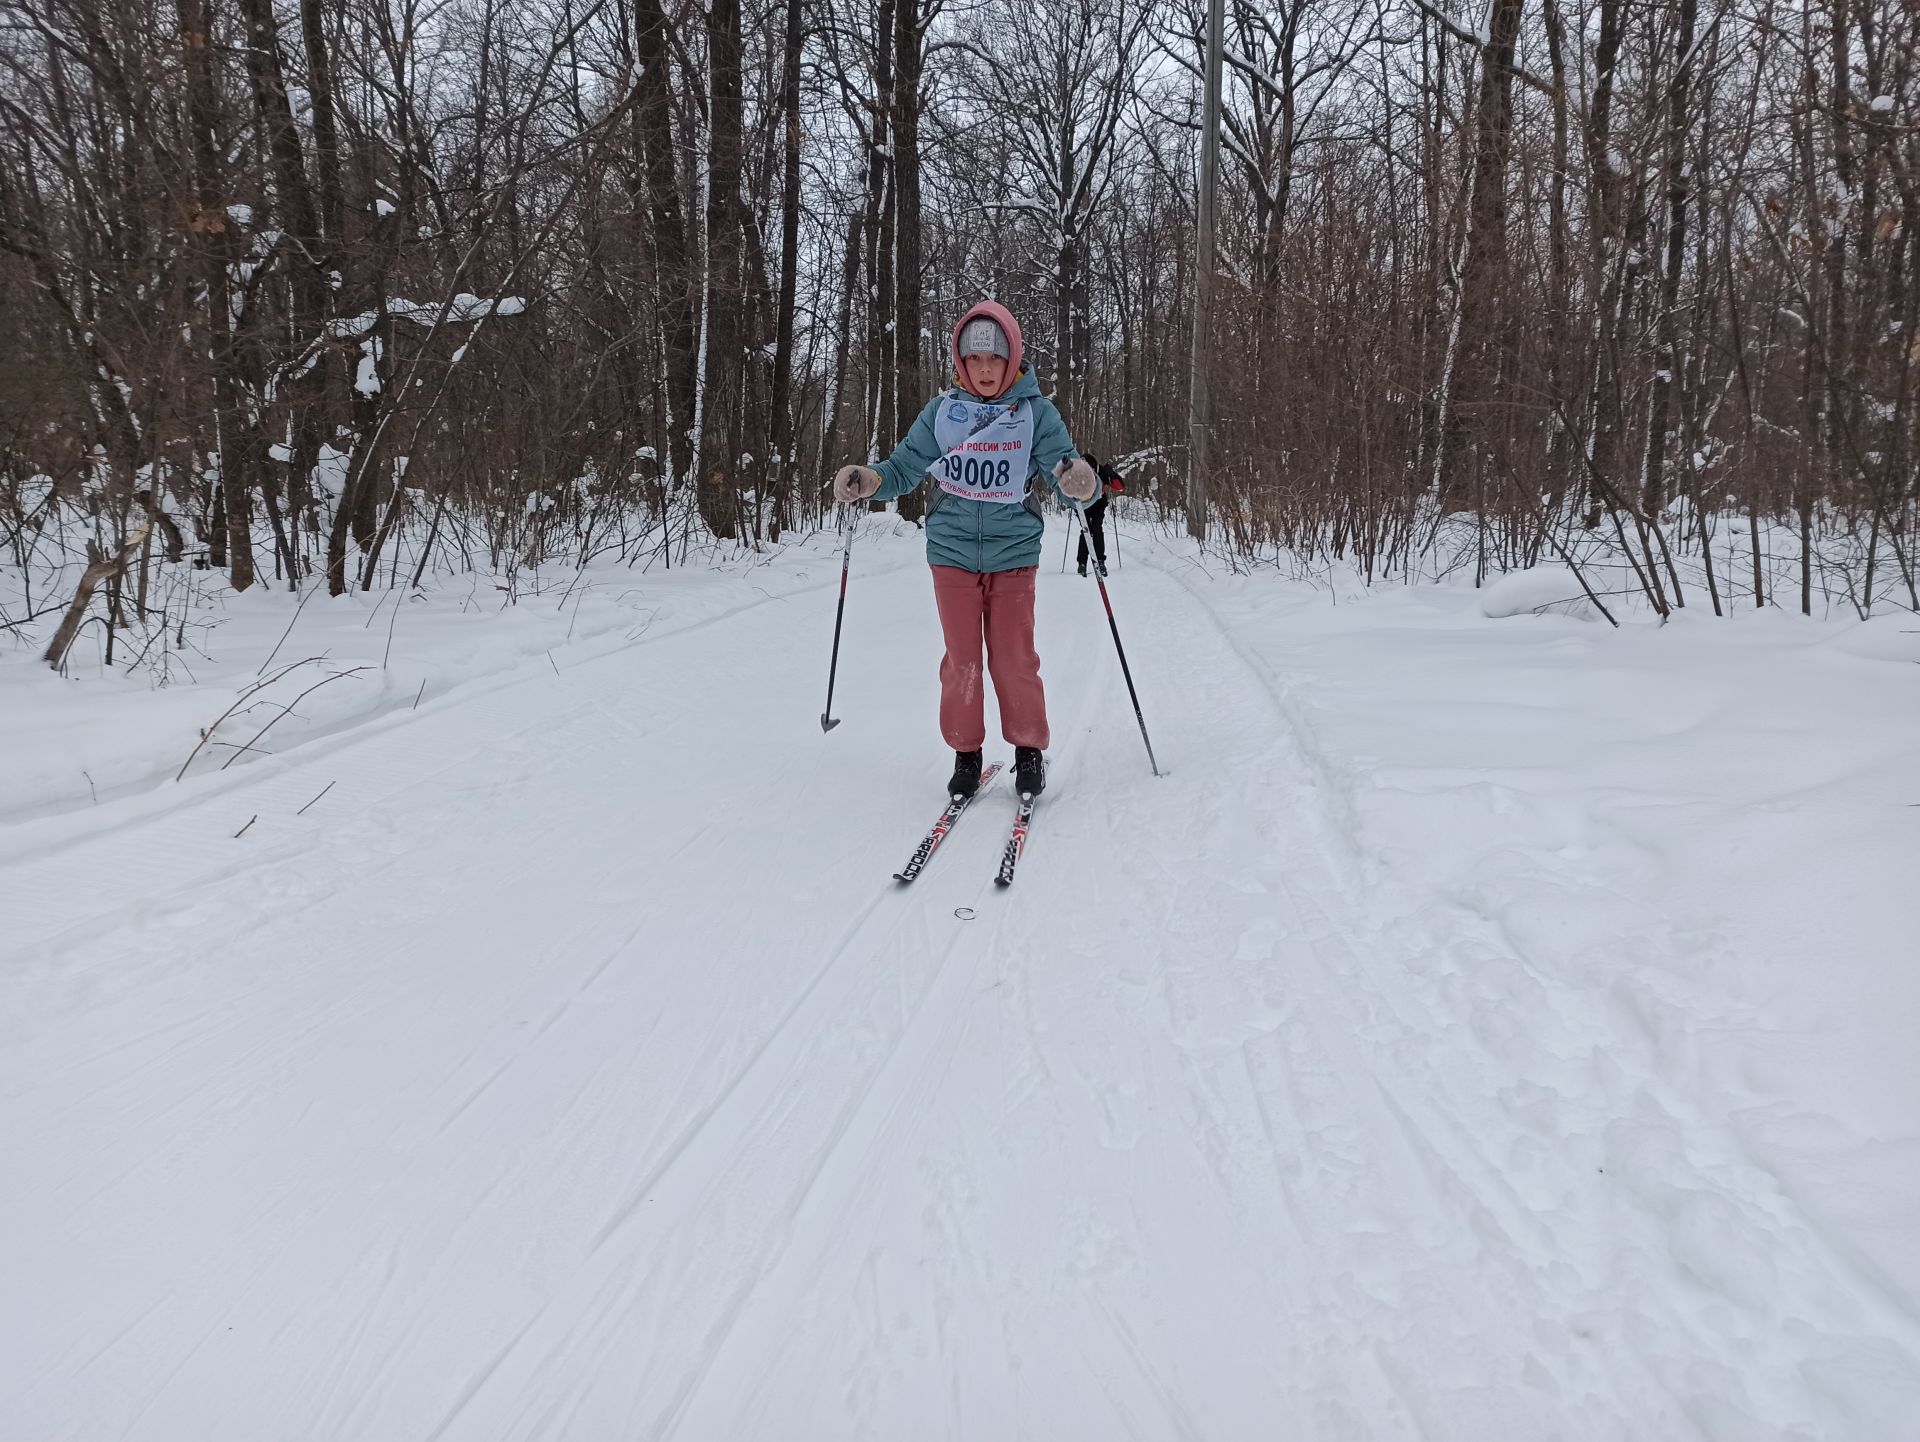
(1661, 880)
(74, 742)
(1536, 592)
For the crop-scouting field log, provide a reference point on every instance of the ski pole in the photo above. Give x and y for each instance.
(847, 522)
(1100, 571)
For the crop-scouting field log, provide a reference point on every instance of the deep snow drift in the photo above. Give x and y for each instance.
(1492, 1027)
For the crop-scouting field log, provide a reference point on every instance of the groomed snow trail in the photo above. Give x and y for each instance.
(574, 1070)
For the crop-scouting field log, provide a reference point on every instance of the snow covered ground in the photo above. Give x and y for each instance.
(108, 732)
(1489, 1028)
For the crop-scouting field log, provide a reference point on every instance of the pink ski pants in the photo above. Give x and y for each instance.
(995, 608)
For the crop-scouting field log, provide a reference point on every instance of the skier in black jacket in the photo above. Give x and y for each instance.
(1110, 482)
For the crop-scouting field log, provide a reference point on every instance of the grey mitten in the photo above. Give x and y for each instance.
(854, 483)
(1077, 480)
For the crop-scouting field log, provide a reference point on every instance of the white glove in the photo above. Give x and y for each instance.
(854, 483)
(1077, 480)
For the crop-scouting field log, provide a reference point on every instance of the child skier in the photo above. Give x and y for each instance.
(984, 444)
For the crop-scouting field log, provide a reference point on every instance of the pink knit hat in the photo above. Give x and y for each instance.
(1002, 317)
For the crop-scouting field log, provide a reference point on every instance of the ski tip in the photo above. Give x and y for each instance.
(1003, 881)
(827, 723)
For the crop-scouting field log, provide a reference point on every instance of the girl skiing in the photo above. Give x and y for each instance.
(984, 444)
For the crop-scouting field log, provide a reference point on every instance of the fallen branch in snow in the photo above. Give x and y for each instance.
(287, 710)
(100, 566)
(1581, 577)
(1546, 529)
(236, 748)
(239, 701)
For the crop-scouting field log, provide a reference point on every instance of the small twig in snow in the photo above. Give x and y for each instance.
(328, 787)
(576, 608)
(385, 655)
(304, 595)
(287, 710)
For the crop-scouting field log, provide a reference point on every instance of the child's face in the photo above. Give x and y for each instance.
(985, 374)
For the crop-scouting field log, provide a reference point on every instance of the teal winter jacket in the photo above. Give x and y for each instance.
(980, 535)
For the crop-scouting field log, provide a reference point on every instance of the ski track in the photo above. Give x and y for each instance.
(575, 1071)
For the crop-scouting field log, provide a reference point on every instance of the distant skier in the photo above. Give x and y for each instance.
(985, 444)
(1111, 484)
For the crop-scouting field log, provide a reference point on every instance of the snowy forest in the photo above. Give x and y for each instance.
(1355, 877)
(368, 288)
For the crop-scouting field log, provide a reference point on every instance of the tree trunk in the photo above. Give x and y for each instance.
(653, 127)
(1473, 378)
(326, 134)
(719, 485)
(882, 323)
(1653, 495)
(909, 388)
(307, 287)
(214, 245)
(842, 343)
(1604, 184)
(780, 467)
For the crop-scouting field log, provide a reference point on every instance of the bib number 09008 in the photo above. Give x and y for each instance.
(983, 472)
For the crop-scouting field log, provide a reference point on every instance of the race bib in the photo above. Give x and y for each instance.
(987, 450)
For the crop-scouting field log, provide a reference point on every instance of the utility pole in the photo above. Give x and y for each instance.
(1199, 408)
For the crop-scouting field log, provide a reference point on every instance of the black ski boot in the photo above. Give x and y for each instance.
(1029, 771)
(966, 774)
